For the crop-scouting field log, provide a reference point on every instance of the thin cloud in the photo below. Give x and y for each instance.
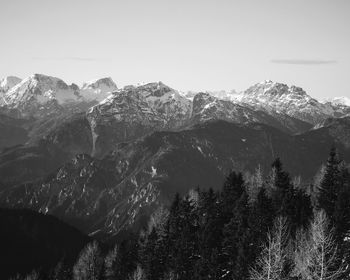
(71, 58)
(303, 61)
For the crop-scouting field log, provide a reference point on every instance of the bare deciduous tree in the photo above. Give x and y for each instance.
(158, 220)
(315, 254)
(112, 263)
(89, 264)
(254, 183)
(270, 265)
(138, 274)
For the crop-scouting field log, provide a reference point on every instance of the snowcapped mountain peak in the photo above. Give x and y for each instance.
(336, 101)
(41, 80)
(231, 95)
(97, 83)
(98, 90)
(269, 89)
(8, 82)
(37, 91)
(37, 76)
(265, 82)
(279, 98)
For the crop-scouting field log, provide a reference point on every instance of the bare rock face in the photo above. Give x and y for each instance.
(136, 111)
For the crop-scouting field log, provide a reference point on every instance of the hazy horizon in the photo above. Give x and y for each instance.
(188, 45)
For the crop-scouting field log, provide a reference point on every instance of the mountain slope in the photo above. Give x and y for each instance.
(12, 131)
(133, 112)
(58, 141)
(207, 107)
(104, 197)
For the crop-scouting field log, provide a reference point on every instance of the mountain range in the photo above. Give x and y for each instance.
(103, 158)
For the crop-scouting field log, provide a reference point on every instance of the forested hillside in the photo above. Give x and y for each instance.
(255, 227)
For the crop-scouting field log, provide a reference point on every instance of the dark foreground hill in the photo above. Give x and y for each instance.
(30, 240)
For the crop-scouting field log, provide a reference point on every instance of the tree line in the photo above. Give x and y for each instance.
(256, 227)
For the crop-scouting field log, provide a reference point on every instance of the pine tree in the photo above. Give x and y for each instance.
(152, 261)
(288, 201)
(303, 210)
(334, 198)
(236, 242)
(232, 191)
(182, 243)
(128, 253)
(209, 236)
(61, 272)
(282, 189)
(173, 229)
(210, 231)
(340, 218)
(261, 217)
(329, 186)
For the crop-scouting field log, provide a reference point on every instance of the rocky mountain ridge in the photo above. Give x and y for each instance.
(38, 91)
(104, 166)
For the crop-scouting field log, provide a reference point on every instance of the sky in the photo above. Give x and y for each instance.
(187, 44)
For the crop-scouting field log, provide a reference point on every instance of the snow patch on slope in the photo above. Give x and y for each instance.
(8, 82)
(342, 100)
(98, 89)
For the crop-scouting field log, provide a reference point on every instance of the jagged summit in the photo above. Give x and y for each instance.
(272, 98)
(293, 101)
(270, 88)
(156, 88)
(40, 88)
(40, 95)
